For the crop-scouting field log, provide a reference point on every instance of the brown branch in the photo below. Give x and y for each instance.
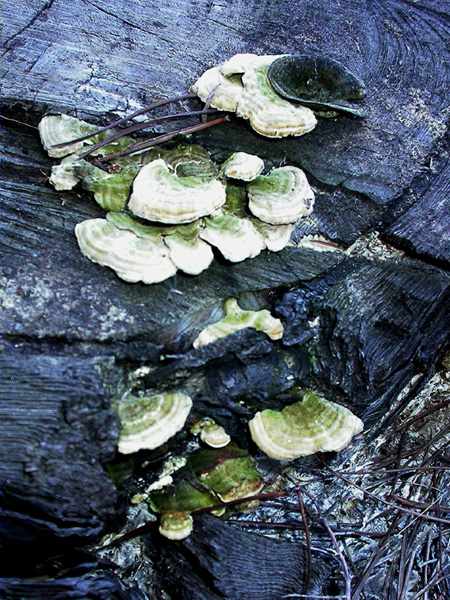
(127, 118)
(143, 146)
(139, 126)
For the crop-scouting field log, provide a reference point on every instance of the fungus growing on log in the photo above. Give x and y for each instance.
(241, 85)
(132, 258)
(176, 525)
(319, 82)
(236, 319)
(160, 195)
(147, 422)
(310, 425)
(281, 197)
(243, 166)
(236, 238)
(211, 433)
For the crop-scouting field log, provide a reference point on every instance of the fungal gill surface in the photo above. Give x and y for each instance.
(282, 197)
(241, 85)
(236, 319)
(310, 425)
(160, 195)
(147, 422)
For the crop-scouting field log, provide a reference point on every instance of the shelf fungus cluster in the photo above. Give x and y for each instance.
(279, 95)
(168, 209)
(313, 424)
(148, 422)
(236, 319)
(211, 479)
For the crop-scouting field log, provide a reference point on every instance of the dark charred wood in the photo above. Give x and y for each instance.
(223, 561)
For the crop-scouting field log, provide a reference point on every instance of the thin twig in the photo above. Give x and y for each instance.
(143, 146)
(387, 503)
(144, 125)
(18, 122)
(127, 118)
(423, 414)
(341, 557)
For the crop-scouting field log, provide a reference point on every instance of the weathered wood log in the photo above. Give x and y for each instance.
(222, 561)
(69, 329)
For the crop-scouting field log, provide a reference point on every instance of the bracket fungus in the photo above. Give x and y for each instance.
(190, 159)
(187, 251)
(241, 85)
(180, 207)
(176, 525)
(310, 425)
(268, 113)
(160, 195)
(219, 91)
(318, 82)
(236, 238)
(276, 237)
(125, 221)
(58, 129)
(210, 477)
(64, 176)
(281, 197)
(243, 166)
(131, 257)
(211, 433)
(147, 422)
(236, 319)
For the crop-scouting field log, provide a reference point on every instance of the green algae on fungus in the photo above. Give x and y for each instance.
(160, 195)
(241, 85)
(123, 220)
(111, 190)
(65, 176)
(268, 113)
(188, 160)
(310, 425)
(131, 257)
(282, 197)
(187, 251)
(236, 319)
(243, 166)
(147, 422)
(176, 525)
(275, 237)
(211, 476)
